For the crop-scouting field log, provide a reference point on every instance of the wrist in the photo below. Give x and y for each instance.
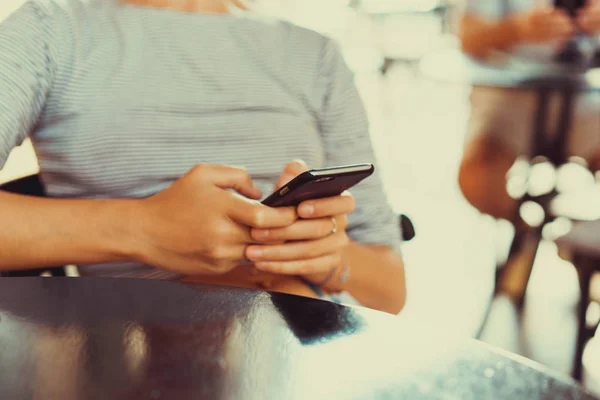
(334, 280)
(127, 233)
(323, 279)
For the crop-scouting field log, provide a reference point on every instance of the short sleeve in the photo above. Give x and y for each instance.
(345, 133)
(29, 55)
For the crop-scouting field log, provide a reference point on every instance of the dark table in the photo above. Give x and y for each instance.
(77, 338)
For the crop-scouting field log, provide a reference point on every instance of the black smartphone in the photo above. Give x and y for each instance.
(318, 184)
(571, 6)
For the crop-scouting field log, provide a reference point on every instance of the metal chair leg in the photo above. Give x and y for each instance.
(514, 277)
(521, 247)
(584, 272)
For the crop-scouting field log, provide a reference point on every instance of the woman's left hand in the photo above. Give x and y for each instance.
(588, 17)
(314, 245)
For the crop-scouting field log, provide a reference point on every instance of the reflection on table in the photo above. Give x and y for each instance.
(132, 339)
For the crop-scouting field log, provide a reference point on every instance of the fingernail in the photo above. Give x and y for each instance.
(300, 163)
(254, 253)
(309, 209)
(262, 235)
(256, 192)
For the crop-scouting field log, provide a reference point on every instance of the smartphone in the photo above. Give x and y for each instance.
(571, 6)
(318, 184)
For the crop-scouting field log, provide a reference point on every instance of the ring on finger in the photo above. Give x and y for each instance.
(334, 229)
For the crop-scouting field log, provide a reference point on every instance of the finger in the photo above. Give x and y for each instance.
(318, 265)
(595, 24)
(283, 180)
(558, 33)
(562, 19)
(297, 250)
(589, 24)
(296, 167)
(236, 252)
(256, 215)
(227, 177)
(568, 30)
(326, 207)
(307, 229)
(593, 18)
(561, 23)
(233, 232)
(559, 13)
(291, 170)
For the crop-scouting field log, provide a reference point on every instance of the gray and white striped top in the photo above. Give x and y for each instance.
(121, 100)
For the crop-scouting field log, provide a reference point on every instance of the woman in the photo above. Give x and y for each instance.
(138, 110)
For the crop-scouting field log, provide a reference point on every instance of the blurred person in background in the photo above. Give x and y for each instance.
(500, 128)
(138, 112)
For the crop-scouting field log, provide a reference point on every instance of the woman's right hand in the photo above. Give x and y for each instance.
(197, 226)
(545, 24)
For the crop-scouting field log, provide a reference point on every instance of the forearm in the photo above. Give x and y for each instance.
(478, 37)
(39, 232)
(376, 277)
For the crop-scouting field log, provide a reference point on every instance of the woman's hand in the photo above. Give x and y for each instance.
(314, 245)
(545, 24)
(588, 17)
(196, 226)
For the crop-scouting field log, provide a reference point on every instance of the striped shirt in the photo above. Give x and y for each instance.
(120, 100)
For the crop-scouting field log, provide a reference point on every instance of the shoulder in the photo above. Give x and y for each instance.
(50, 16)
(51, 8)
(308, 37)
(65, 14)
(37, 21)
(71, 25)
(300, 50)
(308, 41)
(280, 32)
(314, 51)
(50, 30)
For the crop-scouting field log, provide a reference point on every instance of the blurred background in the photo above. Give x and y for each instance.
(418, 128)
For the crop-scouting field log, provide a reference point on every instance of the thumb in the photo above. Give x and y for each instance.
(291, 170)
(227, 177)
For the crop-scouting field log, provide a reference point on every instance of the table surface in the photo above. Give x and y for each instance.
(78, 338)
(503, 70)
